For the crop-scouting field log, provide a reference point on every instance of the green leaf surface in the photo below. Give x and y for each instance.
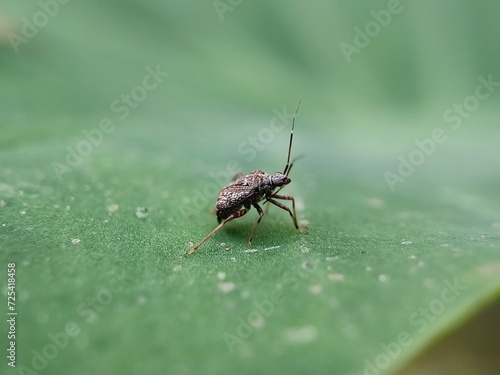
(107, 177)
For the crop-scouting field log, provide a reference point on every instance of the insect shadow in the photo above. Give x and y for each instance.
(246, 191)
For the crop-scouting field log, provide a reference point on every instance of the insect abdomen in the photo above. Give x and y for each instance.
(228, 203)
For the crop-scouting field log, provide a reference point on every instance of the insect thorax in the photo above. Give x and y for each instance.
(243, 192)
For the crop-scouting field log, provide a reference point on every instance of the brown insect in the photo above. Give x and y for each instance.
(236, 199)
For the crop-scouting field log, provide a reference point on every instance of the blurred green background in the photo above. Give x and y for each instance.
(173, 91)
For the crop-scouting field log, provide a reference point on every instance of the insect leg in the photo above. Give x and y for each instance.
(231, 217)
(266, 208)
(282, 206)
(261, 215)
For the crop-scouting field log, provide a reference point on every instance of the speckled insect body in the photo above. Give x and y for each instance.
(236, 199)
(246, 191)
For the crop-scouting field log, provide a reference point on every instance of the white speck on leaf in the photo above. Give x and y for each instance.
(300, 335)
(316, 288)
(245, 294)
(224, 245)
(177, 268)
(113, 208)
(256, 320)
(375, 203)
(226, 287)
(75, 241)
(430, 284)
(406, 242)
(306, 265)
(141, 212)
(383, 278)
(304, 222)
(272, 247)
(336, 277)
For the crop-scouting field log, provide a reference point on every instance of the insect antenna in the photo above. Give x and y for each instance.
(288, 166)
